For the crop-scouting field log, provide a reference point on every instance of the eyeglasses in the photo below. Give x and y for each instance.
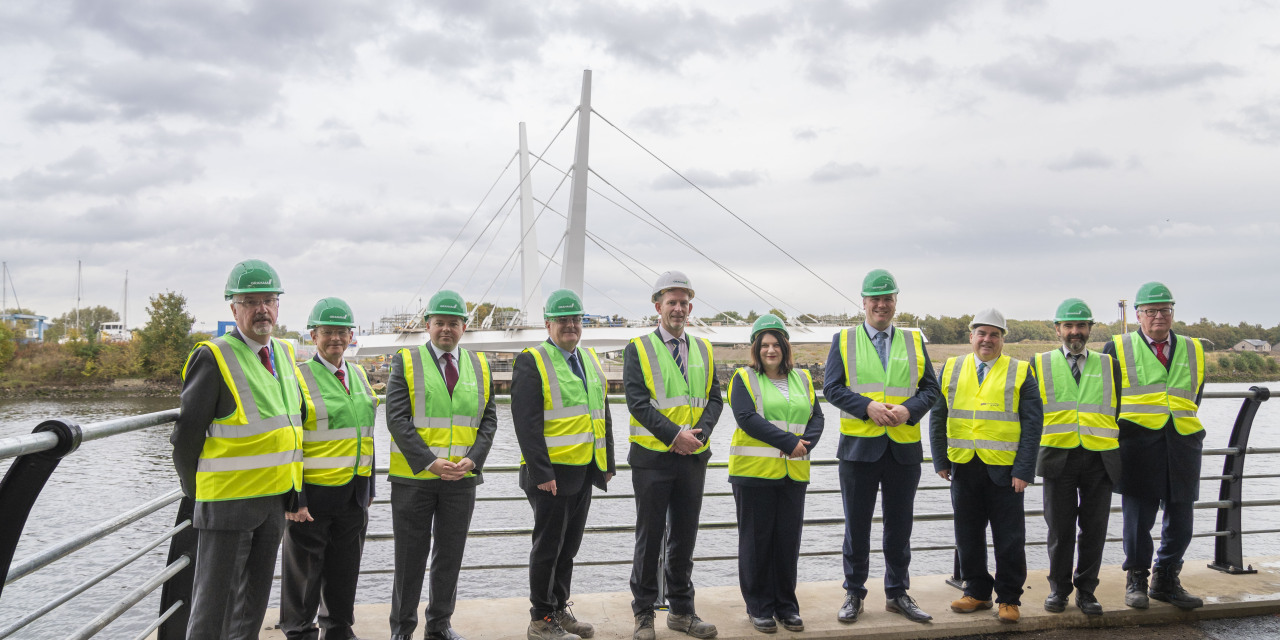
(333, 332)
(264, 302)
(567, 320)
(1165, 311)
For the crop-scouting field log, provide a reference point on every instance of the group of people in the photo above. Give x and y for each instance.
(269, 449)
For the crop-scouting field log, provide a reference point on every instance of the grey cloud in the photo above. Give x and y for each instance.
(836, 172)
(57, 111)
(920, 70)
(149, 89)
(807, 134)
(666, 37)
(884, 18)
(1053, 71)
(708, 179)
(1129, 80)
(1024, 7)
(196, 139)
(468, 33)
(672, 119)
(828, 73)
(342, 140)
(86, 172)
(1081, 159)
(1257, 123)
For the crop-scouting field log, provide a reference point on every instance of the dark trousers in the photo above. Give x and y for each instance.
(233, 575)
(977, 502)
(666, 496)
(417, 513)
(558, 523)
(770, 520)
(859, 484)
(1081, 493)
(1175, 532)
(319, 573)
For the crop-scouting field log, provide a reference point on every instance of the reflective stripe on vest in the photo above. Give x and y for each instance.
(865, 375)
(1080, 414)
(1150, 394)
(750, 457)
(337, 437)
(573, 411)
(983, 418)
(674, 396)
(446, 423)
(257, 450)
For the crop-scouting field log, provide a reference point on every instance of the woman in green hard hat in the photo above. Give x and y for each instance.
(779, 423)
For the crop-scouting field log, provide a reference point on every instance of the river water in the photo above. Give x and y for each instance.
(108, 476)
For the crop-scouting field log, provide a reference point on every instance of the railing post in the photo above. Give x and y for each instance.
(955, 579)
(179, 587)
(1228, 551)
(23, 483)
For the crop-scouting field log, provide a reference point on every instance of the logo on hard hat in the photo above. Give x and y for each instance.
(337, 317)
(259, 283)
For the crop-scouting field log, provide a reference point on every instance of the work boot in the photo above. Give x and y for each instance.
(548, 628)
(644, 626)
(571, 624)
(969, 604)
(691, 624)
(1055, 602)
(1166, 587)
(1088, 604)
(1008, 612)
(1135, 593)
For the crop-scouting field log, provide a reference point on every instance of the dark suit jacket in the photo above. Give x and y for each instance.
(1031, 419)
(204, 398)
(323, 499)
(638, 398)
(855, 449)
(1159, 464)
(526, 413)
(756, 426)
(416, 453)
(1051, 460)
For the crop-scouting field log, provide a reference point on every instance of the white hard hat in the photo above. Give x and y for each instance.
(672, 280)
(991, 318)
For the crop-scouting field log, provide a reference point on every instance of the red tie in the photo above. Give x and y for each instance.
(1164, 360)
(450, 372)
(265, 356)
(342, 377)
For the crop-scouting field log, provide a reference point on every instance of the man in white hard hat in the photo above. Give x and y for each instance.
(674, 400)
(985, 432)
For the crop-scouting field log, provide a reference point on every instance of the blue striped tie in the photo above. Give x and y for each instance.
(675, 353)
(982, 371)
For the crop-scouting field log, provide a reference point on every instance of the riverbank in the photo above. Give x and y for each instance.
(121, 388)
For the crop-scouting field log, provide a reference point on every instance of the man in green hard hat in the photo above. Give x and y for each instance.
(561, 417)
(880, 378)
(442, 419)
(325, 535)
(1161, 438)
(1079, 455)
(237, 447)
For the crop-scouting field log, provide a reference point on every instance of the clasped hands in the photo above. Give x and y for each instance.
(451, 470)
(887, 415)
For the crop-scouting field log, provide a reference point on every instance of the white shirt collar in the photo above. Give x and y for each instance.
(872, 331)
(254, 345)
(329, 365)
(440, 352)
(667, 337)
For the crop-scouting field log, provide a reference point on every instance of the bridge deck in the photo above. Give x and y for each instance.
(1225, 596)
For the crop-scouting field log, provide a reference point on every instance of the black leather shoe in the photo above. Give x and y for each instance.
(791, 622)
(849, 611)
(906, 605)
(1088, 604)
(1166, 587)
(399, 636)
(446, 634)
(1056, 602)
(764, 625)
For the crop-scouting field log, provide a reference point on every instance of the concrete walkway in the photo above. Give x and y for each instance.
(1225, 596)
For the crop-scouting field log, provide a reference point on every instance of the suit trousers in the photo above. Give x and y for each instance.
(859, 484)
(320, 571)
(1081, 494)
(1175, 532)
(770, 521)
(233, 575)
(674, 496)
(977, 502)
(417, 513)
(558, 524)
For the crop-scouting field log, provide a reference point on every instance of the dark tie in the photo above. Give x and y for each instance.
(265, 356)
(1164, 360)
(342, 377)
(675, 353)
(450, 372)
(982, 371)
(1075, 367)
(576, 366)
(880, 340)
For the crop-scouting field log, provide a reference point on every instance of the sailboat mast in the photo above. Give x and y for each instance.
(575, 245)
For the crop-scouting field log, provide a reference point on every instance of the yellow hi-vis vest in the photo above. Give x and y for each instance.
(864, 375)
(447, 424)
(681, 401)
(257, 450)
(754, 458)
(572, 412)
(337, 437)
(1150, 393)
(1078, 414)
(983, 418)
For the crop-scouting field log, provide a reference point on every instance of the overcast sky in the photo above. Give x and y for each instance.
(1005, 154)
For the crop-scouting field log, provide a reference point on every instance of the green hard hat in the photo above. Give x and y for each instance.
(1152, 293)
(1073, 310)
(562, 302)
(878, 283)
(252, 276)
(446, 303)
(766, 322)
(334, 312)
